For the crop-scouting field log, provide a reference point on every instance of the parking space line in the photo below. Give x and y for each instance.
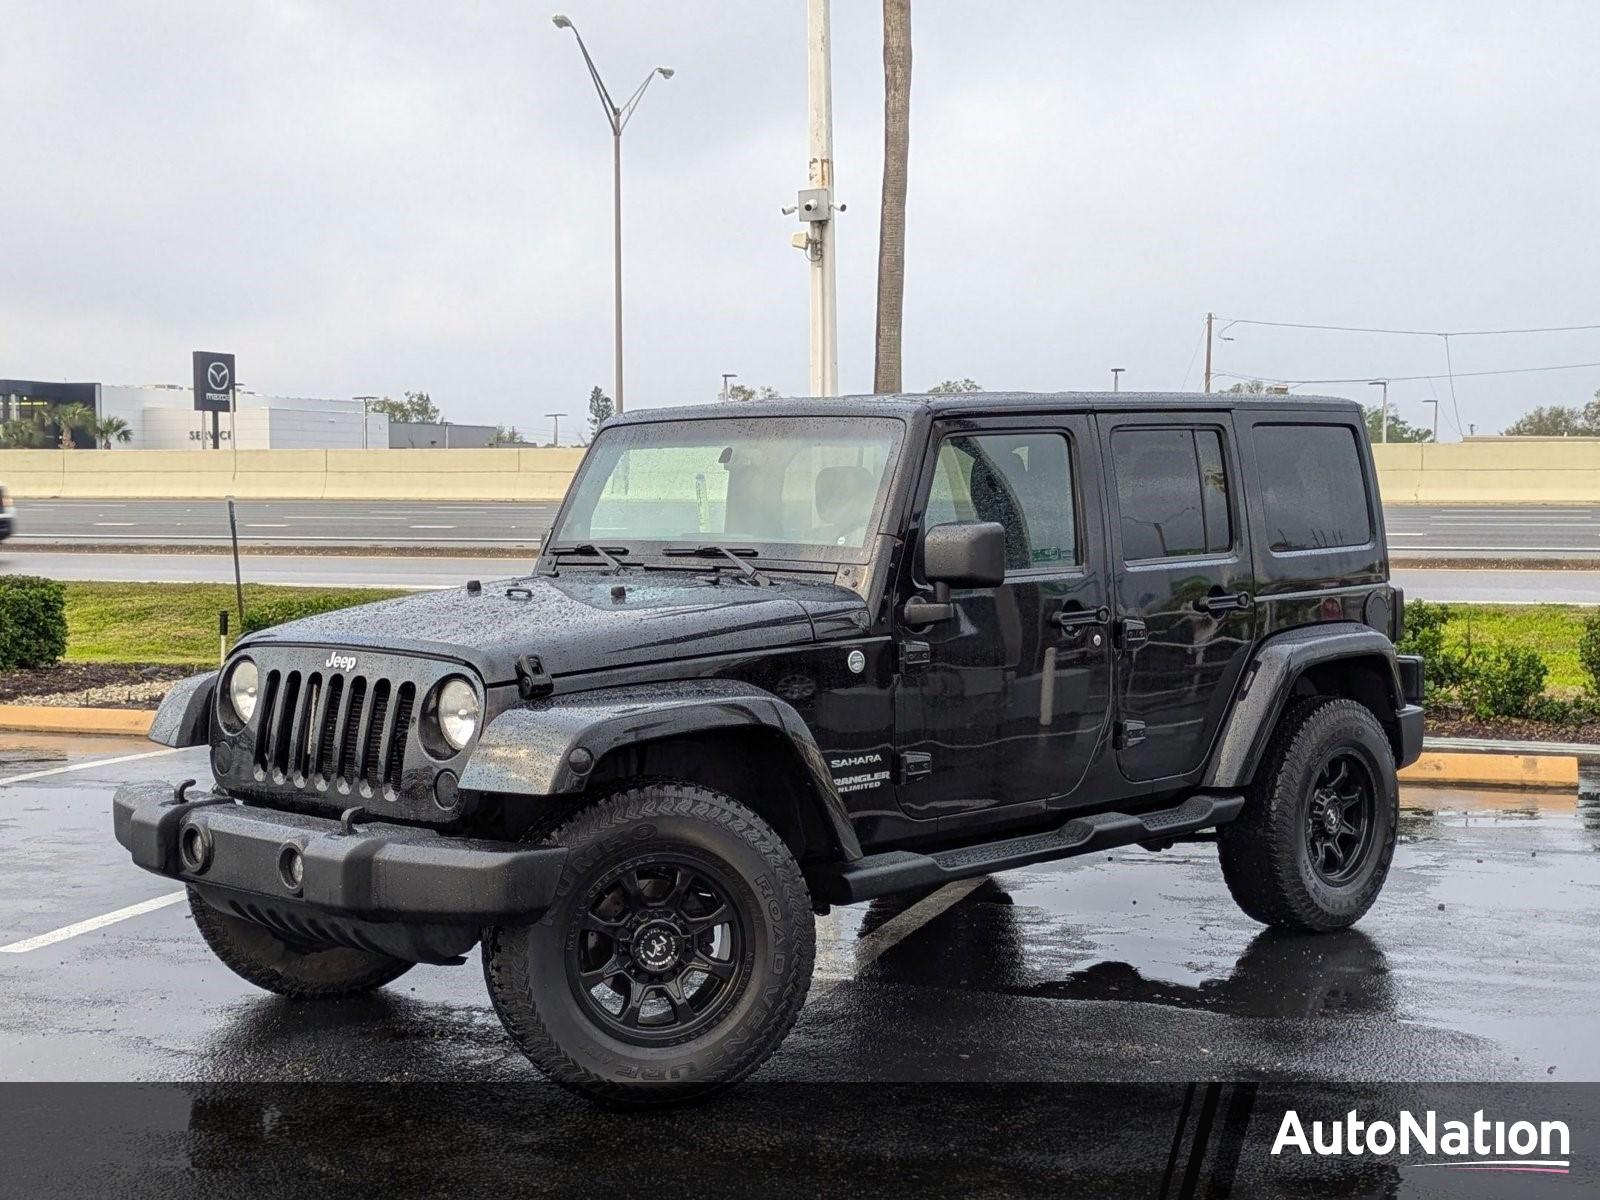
(895, 930)
(84, 766)
(93, 923)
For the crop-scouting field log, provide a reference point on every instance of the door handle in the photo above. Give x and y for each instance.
(1216, 604)
(1077, 618)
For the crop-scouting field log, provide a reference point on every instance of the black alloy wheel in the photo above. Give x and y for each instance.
(1340, 819)
(659, 952)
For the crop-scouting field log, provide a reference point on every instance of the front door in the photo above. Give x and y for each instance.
(1184, 597)
(1003, 703)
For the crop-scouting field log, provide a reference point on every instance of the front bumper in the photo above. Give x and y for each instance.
(351, 883)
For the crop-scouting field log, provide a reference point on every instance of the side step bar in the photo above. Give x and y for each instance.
(899, 870)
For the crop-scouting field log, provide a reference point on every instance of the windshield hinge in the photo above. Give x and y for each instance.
(532, 679)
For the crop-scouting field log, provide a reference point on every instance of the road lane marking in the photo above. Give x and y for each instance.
(895, 930)
(84, 766)
(432, 526)
(93, 923)
(261, 526)
(114, 524)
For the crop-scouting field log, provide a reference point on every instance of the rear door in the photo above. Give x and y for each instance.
(1185, 604)
(1004, 703)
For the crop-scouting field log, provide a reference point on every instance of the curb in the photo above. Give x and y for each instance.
(50, 719)
(1439, 768)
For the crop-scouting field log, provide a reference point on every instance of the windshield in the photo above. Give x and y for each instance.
(806, 488)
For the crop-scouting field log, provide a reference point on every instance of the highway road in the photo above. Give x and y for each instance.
(1413, 532)
(429, 571)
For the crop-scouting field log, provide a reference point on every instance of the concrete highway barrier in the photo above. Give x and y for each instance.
(532, 473)
(1493, 471)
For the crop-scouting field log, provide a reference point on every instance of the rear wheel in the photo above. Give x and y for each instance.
(676, 957)
(259, 955)
(1312, 848)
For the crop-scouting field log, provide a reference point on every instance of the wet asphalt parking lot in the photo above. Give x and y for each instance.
(1481, 962)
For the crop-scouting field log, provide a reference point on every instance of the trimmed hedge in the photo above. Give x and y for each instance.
(33, 622)
(259, 616)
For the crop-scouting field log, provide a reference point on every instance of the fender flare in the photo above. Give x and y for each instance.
(184, 718)
(529, 750)
(1269, 680)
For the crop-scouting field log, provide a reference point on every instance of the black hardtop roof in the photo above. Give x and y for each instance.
(908, 404)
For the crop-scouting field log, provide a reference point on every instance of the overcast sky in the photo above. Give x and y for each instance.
(373, 197)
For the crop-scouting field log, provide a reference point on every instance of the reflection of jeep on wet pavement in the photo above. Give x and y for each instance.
(802, 653)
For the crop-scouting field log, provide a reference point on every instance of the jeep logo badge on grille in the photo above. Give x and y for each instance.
(341, 662)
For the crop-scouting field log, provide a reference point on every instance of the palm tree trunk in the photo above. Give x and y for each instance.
(892, 216)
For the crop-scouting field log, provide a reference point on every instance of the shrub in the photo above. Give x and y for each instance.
(1589, 650)
(1425, 635)
(1502, 681)
(33, 622)
(292, 608)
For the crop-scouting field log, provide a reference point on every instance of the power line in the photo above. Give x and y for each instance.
(1408, 332)
(1408, 378)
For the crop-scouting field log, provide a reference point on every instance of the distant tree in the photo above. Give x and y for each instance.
(509, 435)
(111, 429)
(417, 408)
(1253, 387)
(70, 419)
(741, 392)
(1559, 420)
(1400, 430)
(26, 433)
(954, 387)
(601, 409)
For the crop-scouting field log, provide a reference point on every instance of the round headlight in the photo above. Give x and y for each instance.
(458, 712)
(243, 682)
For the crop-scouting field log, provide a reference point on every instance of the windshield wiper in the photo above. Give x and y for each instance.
(613, 563)
(734, 554)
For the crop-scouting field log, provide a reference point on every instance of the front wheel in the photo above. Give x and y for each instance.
(1312, 848)
(677, 954)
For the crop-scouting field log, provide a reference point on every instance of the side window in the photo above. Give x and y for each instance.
(1023, 481)
(1313, 491)
(1172, 492)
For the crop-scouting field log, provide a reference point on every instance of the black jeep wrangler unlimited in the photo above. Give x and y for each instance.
(784, 655)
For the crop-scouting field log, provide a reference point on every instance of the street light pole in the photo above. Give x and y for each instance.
(1116, 378)
(1435, 402)
(819, 216)
(556, 417)
(1384, 384)
(618, 117)
(726, 376)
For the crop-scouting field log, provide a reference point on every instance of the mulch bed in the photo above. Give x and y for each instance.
(67, 678)
(1446, 722)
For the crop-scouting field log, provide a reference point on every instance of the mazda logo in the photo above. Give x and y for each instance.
(217, 375)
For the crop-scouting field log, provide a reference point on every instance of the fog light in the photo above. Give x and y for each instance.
(291, 867)
(194, 848)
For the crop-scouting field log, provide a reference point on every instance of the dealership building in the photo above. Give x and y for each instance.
(163, 417)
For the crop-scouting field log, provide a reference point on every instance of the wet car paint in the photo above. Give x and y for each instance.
(1481, 962)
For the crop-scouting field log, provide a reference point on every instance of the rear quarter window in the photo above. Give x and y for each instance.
(1313, 491)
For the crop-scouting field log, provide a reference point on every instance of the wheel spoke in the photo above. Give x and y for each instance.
(711, 966)
(629, 1015)
(720, 915)
(1339, 776)
(682, 1011)
(593, 979)
(632, 888)
(593, 922)
(682, 878)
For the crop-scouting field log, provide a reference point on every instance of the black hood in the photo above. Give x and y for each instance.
(573, 622)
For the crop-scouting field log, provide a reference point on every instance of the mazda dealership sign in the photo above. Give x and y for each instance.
(213, 381)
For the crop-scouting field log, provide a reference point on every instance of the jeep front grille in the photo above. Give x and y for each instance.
(331, 730)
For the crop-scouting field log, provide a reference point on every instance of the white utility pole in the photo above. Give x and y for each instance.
(816, 202)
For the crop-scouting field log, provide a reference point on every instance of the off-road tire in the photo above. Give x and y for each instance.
(1264, 855)
(526, 967)
(255, 953)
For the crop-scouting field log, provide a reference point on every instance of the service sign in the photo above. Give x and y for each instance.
(213, 381)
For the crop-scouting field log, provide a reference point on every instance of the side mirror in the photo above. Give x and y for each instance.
(967, 555)
(970, 554)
